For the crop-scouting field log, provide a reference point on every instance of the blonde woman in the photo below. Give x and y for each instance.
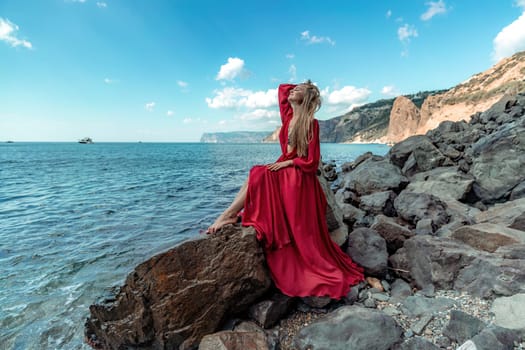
(286, 205)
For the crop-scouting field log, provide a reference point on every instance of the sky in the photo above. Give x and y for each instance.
(170, 70)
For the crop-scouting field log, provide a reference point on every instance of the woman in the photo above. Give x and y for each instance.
(286, 205)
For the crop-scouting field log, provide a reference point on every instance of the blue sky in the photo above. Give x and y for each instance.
(169, 70)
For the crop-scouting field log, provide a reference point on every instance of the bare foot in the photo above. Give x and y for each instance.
(223, 219)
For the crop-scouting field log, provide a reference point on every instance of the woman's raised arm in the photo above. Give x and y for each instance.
(284, 105)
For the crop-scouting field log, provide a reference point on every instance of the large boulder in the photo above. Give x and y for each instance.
(414, 207)
(442, 182)
(350, 327)
(373, 176)
(443, 263)
(175, 298)
(488, 237)
(498, 162)
(368, 249)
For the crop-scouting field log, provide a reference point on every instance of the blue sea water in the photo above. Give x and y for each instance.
(76, 219)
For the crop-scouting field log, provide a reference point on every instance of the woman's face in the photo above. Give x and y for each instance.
(297, 94)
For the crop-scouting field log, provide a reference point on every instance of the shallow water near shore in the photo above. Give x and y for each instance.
(76, 219)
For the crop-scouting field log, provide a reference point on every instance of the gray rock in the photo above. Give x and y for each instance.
(413, 207)
(462, 326)
(380, 296)
(443, 182)
(519, 223)
(400, 291)
(316, 302)
(400, 152)
(498, 162)
(496, 338)
(503, 213)
(268, 312)
(352, 215)
(518, 191)
(374, 176)
(424, 227)
(379, 203)
(509, 311)
(416, 343)
(393, 233)
(445, 263)
(420, 325)
(418, 306)
(368, 249)
(350, 327)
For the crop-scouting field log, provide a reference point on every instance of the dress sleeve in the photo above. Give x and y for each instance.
(310, 163)
(285, 106)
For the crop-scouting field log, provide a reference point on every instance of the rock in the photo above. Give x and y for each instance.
(503, 213)
(175, 298)
(393, 233)
(368, 249)
(468, 345)
(317, 302)
(400, 152)
(353, 216)
(462, 326)
(379, 203)
(419, 306)
(374, 176)
(424, 227)
(509, 311)
(495, 338)
(334, 215)
(268, 312)
(374, 283)
(443, 183)
(518, 191)
(231, 340)
(498, 162)
(488, 237)
(413, 207)
(404, 119)
(350, 327)
(420, 325)
(400, 291)
(445, 263)
(519, 223)
(416, 343)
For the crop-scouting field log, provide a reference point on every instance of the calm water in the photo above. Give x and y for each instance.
(76, 219)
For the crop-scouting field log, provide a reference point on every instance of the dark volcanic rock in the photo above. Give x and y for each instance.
(368, 249)
(413, 207)
(374, 176)
(175, 298)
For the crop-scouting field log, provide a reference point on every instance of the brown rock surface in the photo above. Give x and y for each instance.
(404, 120)
(175, 298)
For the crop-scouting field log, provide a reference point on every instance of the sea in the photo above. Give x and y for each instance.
(75, 219)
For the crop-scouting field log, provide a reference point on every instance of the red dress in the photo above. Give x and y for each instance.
(287, 208)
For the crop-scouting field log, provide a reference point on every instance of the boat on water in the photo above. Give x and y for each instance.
(85, 140)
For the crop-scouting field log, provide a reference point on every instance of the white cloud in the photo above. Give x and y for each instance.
(150, 106)
(182, 84)
(230, 97)
(510, 39)
(293, 72)
(390, 90)
(102, 4)
(231, 70)
(520, 3)
(344, 99)
(434, 8)
(187, 120)
(169, 113)
(291, 55)
(110, 81)
(316, 39)
(405, 32)
(8, 34)
(388, 14)
(260, 114)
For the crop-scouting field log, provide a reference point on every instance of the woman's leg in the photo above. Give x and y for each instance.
(229, 216)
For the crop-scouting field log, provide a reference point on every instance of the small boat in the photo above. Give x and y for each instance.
(85, 140)
(10, 142)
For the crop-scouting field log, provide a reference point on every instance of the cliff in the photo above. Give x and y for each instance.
(459, 103)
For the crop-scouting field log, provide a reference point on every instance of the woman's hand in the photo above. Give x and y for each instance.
(279, 165)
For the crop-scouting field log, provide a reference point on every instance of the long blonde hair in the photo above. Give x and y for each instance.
(301, 134)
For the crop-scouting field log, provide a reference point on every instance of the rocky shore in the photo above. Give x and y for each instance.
(438, 225)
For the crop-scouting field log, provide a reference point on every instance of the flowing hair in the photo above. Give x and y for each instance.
(301, 133)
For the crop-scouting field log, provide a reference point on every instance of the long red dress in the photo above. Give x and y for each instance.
(287, 208)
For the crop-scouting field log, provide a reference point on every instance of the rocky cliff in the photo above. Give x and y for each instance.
(459, 103)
